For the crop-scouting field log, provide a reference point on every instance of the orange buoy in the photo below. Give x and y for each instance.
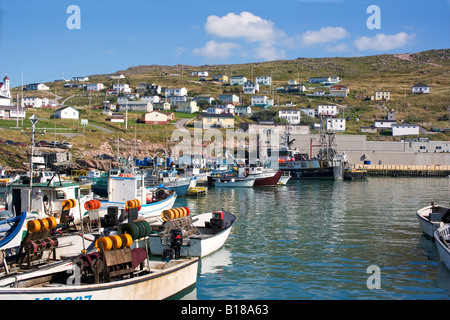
(105, 243)
(116, 241)
(44, 224)
(127, 240)
(33, 225)
(52, 223)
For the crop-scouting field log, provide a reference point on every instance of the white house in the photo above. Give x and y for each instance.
(420, 88)
(381, 95)
(34, 102)
(334, 124)
(250, 87)
(115, 77)
(405, 129)
(267, 80)
(243, 110)
(10, 112)
(261, 101)
(229, 98)
(80, 79)
(309, 111)
(145, 106)
(200, 73)
(237, 80)
(95, 87)
(67, 113)
(324, 80)
(175, 92)
(36, 86)
(188, 107)
(384, 124)
(152, 99)
(176, 100)
(121, 87)
(291, 115)
(325, 110)
(5, 101)
(221, 109)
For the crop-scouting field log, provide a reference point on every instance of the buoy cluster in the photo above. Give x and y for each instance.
(175, 213)
(92, 205)
(41, 224)
(114, 242)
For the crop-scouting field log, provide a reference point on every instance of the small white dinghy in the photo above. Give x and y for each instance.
(194, 236)
(433, 217)
(442, 238)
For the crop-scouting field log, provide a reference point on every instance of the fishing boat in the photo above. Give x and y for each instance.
(263, 176)
(433, 217)
(12, 229)
(233, 182)
(170, 179)
(46, 199)
(285, 177)
(195, 236)
(327, 164)
(442, 239)
(125, 187)
(115, 274)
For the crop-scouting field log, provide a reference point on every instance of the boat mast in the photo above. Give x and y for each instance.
(33, 120)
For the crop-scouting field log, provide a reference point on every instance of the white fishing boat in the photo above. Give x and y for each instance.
(46, 199)
(233, 182)
(194, 236)
(433, 217)
(12, 229)
(442, 238)
(119, 274)
(123, 188)
(285, 177)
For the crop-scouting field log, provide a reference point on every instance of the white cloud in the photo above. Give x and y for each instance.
(270, 53)
(324, 35)
(338, 48)
(382, 42)
(217, 50)
(245, 25)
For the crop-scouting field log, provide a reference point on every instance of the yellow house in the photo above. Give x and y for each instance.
(222, 120)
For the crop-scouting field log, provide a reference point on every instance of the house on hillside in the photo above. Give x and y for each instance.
(291, 115)
(420, 88)
(229, 98)
(267, 80)
(36, 86)
(94, 87)
(157, 117)
(381, 95)
(327, 110)
(12, 112)
(188, 107)
(67, 113)
(324, 80)
(121, 87)
(34, 102)
(175, 92)
(339, 91)
(81, 79)
(250, 88)
(237, 80)
(335, 124)
(145, 106)
(402, 129)
(223, 120)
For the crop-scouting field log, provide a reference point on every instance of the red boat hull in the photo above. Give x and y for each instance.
(269, 181)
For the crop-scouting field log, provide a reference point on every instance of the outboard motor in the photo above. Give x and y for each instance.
(216, 221)
(176, 241)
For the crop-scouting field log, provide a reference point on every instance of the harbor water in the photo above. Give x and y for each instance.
(324, 240)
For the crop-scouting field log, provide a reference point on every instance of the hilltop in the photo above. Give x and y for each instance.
(395, 73)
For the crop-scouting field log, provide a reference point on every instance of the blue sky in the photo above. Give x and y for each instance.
(114, 35)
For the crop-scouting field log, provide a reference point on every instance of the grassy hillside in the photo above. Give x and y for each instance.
(363, 75)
